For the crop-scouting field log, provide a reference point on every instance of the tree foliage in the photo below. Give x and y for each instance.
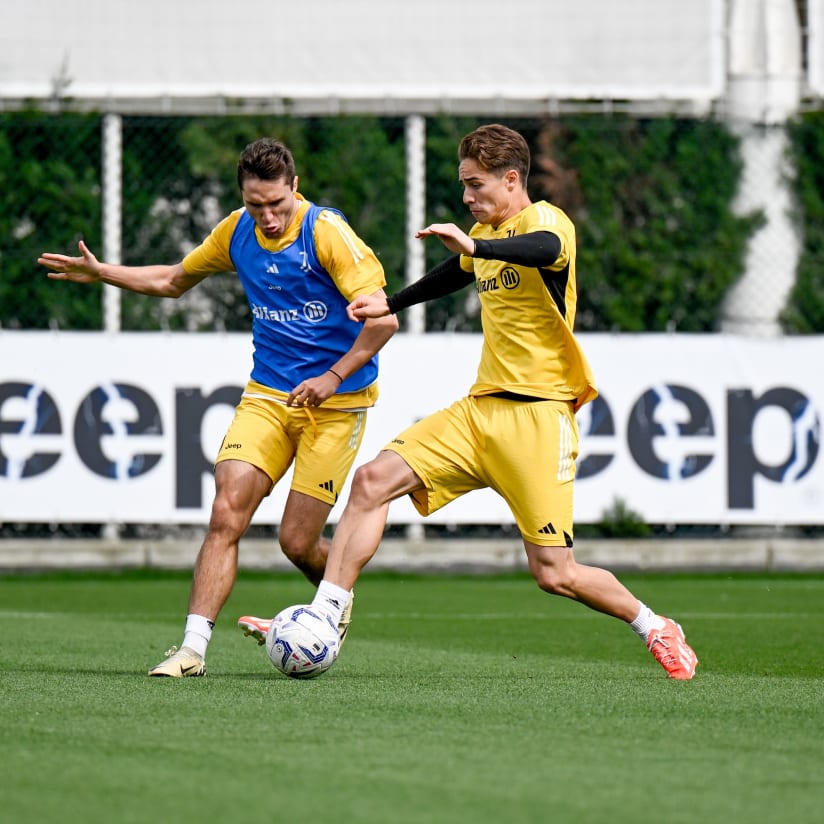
(353, 164)
(659, 243)
(804, 313)
(49, 180)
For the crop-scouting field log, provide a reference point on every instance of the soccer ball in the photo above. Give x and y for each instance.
(302, 641)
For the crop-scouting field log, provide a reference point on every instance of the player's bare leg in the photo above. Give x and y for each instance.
(239, 489)
(556, 571)
(304, 518)
(358, 534)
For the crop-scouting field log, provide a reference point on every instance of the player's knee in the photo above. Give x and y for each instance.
(555, 579)
(226, 518)
(368, 485)
(295, 544)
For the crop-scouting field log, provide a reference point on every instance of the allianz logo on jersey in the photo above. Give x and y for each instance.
(509, 279)
(314, 311)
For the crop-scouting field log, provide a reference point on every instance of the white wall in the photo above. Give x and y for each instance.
(689, 428)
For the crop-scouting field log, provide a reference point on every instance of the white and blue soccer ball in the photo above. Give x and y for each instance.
(302, 641)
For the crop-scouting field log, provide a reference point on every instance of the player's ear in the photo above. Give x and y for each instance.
(295, 183)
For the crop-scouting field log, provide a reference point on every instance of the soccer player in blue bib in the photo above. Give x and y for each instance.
(515, 431)
(314, 372)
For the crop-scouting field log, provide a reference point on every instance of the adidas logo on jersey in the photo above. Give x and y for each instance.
(273, 269)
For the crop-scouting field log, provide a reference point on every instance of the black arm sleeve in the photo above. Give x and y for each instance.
(537, 249)
(443, 279)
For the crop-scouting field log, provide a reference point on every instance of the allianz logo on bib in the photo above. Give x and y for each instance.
(314, 311)
(275, 315)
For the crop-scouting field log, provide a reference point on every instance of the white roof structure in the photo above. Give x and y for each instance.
(386, 56)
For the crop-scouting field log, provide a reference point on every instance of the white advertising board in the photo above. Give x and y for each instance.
(688, 429)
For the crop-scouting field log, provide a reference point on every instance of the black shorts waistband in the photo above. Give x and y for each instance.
(514, 396)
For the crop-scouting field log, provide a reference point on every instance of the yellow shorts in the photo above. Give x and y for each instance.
(523, 450)
(321, 442)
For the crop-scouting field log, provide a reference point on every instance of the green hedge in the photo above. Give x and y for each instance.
(50, 190)
(659, 244)
(805, 308)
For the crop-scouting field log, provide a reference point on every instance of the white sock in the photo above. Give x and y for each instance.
(197, 634)
(332, 598)
(645, 621)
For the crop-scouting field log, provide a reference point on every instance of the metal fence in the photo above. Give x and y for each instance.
(147, 189)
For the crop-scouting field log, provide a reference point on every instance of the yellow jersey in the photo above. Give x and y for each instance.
(528, 314)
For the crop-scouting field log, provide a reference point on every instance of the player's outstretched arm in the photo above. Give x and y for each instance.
(368, 306)
(441, 280)
(83, 269)
(161, 280)
(453, 237)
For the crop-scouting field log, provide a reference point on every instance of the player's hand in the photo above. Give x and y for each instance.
(368, 306)
(453, 237)
(314, 391)
(83, 269)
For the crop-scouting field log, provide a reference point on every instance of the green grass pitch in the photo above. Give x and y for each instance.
(455, 699)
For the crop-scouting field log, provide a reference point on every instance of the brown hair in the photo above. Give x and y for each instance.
(266, 159)
(497, 149)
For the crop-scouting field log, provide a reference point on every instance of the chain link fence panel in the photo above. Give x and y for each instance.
(664, 226)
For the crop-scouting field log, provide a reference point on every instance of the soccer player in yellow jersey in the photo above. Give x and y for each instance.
(314, 372)
(515, 431)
